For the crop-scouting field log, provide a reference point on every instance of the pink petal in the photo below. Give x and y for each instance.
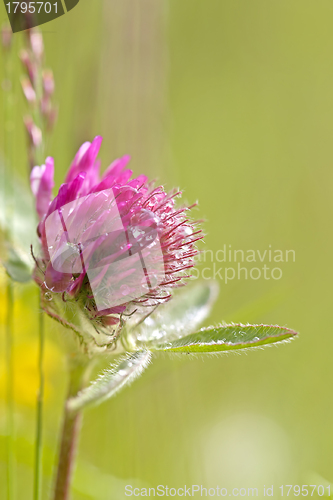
(41, 181)
(85, 159)
(116, 167)
(67, 193)
(55, 281)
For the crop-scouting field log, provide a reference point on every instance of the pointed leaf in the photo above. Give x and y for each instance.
(16, 267)
(18, 226)
(111, 381)
(227, 338)
(178, 317)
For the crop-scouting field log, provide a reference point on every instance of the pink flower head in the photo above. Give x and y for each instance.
(112, 244)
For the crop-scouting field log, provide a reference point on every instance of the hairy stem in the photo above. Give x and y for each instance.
(10, 391)
(39, 421)
(70, 433)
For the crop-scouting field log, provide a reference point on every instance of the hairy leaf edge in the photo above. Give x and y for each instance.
(82, 399)
(287, 337)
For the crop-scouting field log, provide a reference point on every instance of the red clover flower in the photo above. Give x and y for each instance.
(113, 245)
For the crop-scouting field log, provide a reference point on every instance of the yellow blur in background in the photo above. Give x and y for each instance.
(233, 101)
(25, 347)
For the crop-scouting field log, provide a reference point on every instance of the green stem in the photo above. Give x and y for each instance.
(39, 422)
(38, 118)
(70, 433)
(10, 392)
(9, 161)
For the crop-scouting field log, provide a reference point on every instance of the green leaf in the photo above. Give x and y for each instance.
(228, 338)
(18, 225)
(178, 317)
(16, 267)
(111, 381)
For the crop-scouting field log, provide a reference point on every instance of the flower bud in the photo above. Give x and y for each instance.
(28, 90)
(6, 36)
(28, 64)
(34, 132)
(48, 82)
(37, 45)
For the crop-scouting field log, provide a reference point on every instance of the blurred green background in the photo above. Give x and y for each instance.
(232, 101)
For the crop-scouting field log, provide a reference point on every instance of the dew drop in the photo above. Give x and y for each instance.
(188, 230)
(125, 290)
(47, 296)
